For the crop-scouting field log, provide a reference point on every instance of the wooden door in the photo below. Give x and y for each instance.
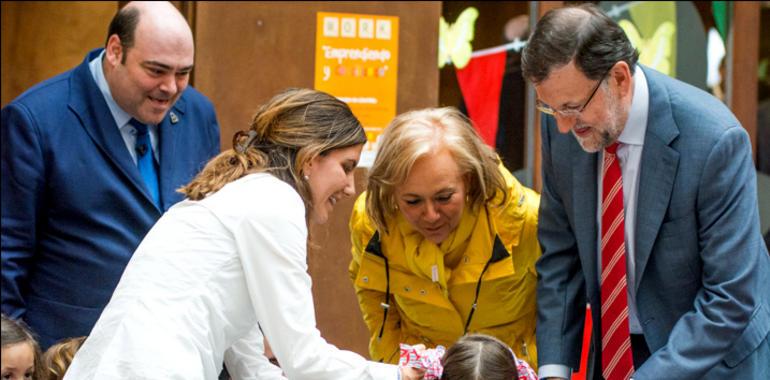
(43, 38)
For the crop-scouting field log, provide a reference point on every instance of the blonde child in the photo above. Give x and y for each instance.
(58, 357)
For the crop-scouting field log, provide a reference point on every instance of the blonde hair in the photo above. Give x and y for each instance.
(415, 134)
(288, 131)
(59, 357)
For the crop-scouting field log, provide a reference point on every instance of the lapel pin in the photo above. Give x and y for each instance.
(174, 118)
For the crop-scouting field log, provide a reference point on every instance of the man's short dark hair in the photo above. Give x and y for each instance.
(583, 33)
(124, 25)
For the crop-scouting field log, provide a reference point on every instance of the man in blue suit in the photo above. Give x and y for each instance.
(90, 160)
(692, 300)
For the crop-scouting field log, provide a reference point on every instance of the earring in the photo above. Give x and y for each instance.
(306, 177)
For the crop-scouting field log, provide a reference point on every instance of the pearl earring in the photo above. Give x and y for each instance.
(306, 177)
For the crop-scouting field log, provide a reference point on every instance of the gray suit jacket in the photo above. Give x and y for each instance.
(702, 270)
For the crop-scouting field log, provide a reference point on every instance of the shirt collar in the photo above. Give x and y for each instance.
(636, 124)
(97, 71)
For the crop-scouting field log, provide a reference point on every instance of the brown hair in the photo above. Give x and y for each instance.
(15, 332)
(582, 33)
(124, 25)
(479, 357)
(288, 131)
(415, 134)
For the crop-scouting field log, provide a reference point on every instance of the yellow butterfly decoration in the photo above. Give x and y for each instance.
(454, 41)
(654, 52)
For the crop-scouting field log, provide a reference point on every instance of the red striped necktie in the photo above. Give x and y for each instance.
(617, 362)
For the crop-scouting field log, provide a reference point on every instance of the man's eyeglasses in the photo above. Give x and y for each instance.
(571, 112)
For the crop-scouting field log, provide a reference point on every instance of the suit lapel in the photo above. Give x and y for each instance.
(168, 130)
(657, 173)
(87, 101)
(584, 204)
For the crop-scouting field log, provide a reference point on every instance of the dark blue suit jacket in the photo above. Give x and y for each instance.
(74, 206)
(702, 271)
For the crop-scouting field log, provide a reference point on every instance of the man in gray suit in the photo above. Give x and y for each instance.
(692, 300)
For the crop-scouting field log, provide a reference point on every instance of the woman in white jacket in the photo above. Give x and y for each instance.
(228, 263)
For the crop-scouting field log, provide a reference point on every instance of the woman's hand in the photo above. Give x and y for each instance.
(410, 373)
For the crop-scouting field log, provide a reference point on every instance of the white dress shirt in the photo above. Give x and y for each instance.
(202, 281)
(127, 131)
(629, 155)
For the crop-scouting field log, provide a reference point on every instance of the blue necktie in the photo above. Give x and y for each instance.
(145, 160)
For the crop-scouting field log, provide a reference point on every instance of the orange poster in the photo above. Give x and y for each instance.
(356, 60)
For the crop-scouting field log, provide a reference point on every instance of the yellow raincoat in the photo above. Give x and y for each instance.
(431, 289)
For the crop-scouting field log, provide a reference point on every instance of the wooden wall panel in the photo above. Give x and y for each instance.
(248, 51)
(43, 38)
(537, 171)
(743, 63)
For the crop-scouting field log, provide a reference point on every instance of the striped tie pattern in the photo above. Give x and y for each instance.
(617, 362)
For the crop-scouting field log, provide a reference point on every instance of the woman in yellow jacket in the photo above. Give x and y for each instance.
(444, 240)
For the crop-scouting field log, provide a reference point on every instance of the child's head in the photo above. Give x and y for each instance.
(20, 351)
(58, 357)
(476, 357)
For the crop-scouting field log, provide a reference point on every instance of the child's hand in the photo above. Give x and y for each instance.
(411, 373)
(426, 362)
(408, 373)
